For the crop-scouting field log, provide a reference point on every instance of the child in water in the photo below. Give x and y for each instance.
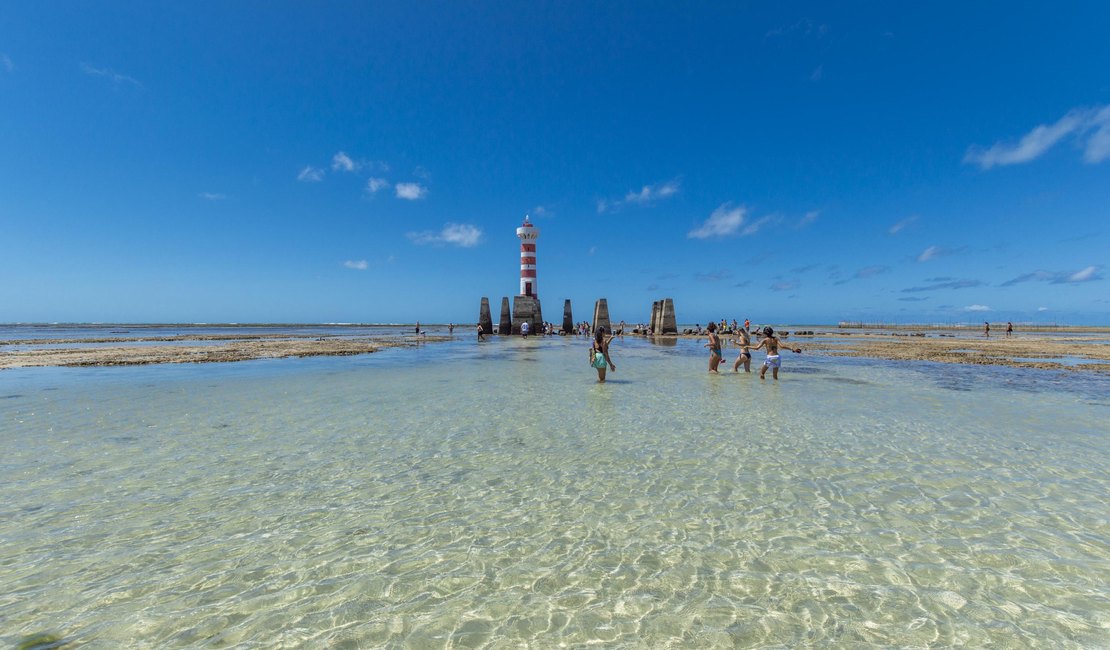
(599, 354)
(714, 346)
(773, 361)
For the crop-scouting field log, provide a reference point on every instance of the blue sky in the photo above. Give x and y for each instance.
(358, 162)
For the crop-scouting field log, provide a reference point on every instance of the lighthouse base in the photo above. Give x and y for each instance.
(526, 309)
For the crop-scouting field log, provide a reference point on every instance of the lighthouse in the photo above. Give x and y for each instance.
(526, 304)
(528, 235)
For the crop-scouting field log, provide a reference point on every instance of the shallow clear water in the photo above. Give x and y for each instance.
(494, 495)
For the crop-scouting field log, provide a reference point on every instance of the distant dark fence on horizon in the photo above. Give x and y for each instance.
(878, 325)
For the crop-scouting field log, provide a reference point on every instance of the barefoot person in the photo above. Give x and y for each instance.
(745, 356)
(714, 346)
(771, 342)
(599, 354)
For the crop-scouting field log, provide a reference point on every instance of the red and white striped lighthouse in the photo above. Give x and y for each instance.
(528, 235)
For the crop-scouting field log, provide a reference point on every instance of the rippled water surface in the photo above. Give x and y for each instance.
(464, 496)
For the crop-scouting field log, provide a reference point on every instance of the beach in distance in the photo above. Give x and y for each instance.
(1075, 348)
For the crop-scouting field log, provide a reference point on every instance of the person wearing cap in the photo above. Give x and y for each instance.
(771, 342)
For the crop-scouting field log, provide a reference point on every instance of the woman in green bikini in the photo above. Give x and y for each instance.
(599, 354)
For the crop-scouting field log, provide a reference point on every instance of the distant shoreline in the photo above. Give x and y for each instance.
(1057, 349)
(843, 325)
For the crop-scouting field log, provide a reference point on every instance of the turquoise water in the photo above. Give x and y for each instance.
(462, 495)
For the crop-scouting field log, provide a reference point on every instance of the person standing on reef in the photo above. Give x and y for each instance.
(747, 324)
(451, 329)
(1009, 328)
(771, 342)
(481, 333)
(987, 329)
(599, 354)
(745, 356)
(524, 329)
(714, 346)
(417, 327)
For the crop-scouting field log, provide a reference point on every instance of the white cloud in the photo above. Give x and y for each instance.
(115, 77)
(311, 174)
(374, 185)
(1088, 274)
(212, 196)
(756, 225)
(410, 191)
(341, 162)
(358, 265)
(647, 195)
(6, 62)
(1098, 146)
(1079, 121)
(456, 234)
(1083, 275)
(725, 220)
(809, 218)
(928, 254)
(541, 211)
(977, 308)
(901, 225)
(1042, 308)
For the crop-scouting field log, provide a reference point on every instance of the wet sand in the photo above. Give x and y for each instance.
(1077, 354)
(177, 349)
(1029, 349)
(1033, 350)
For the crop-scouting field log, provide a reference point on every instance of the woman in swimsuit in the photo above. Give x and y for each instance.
(745, 356)
(714, 346)
(599, 354)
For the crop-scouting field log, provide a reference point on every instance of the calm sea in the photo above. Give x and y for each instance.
(494, 495)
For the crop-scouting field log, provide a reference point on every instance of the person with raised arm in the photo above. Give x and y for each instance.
(772, 344)
(599, 354)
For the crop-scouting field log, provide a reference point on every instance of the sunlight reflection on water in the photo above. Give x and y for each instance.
(470, 495)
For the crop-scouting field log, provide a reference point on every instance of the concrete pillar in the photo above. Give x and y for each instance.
(568, 322)
(484, 317)
(505, 327)
(526, 309)
(668, 324)
(601, 315)
(653, 324)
